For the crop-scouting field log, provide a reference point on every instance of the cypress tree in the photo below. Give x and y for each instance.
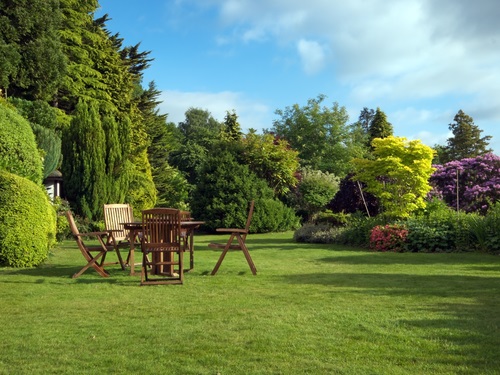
(84, 167)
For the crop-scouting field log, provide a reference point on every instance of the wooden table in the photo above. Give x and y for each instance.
(135, 228)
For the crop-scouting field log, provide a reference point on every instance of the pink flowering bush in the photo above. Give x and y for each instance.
(388, 237)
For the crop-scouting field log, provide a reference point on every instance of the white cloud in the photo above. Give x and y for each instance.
(312, 55)
(251, 114)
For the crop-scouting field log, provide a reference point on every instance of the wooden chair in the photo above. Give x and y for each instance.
(114, 215)
(95, 261)
(240, 235)
(161, 237)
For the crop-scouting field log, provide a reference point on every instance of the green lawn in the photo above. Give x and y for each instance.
(311, 309)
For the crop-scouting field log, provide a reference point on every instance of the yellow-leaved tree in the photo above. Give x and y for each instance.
(398, 175)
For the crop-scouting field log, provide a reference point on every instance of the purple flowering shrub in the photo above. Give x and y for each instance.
(478, 183)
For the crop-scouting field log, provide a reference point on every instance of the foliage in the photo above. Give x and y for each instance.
(389, 237)
(18, 151)
(478, 183)
(271, 159)
(320, 135)
(223, 191)
(27, 222)
(379, 127)
(485, 229)
(357, 230)
(231, 128)
(171, 185)
(351, 198)
(438, 229)
(315, 233)
(271, 215)
(398, 176)
(44, 123)
(336, 219)
(466, 141)
(63, 231)
(314, 190)
(32, 63)
(84, 167)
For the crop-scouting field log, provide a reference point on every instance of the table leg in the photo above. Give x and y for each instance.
(131, 261)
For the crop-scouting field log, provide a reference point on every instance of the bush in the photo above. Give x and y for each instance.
(478, 182)
(315, 233)
(18, 150)
(272, 215)
(339, 219)
(27, 222)
(388, 237)
(358, 230)
(438, 229)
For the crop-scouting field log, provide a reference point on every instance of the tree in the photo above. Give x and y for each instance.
(84, 167)
(466, 141)
(314, 190)
(379, 126)
(351, 198)
(32, 64)
(320, 135)
(271, 159)
(223, 191)
(398, 175)
(231, 128)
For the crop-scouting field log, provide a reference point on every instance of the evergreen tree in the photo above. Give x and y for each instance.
(466, 141)
(231, 128)
(84, 167)
(379, 126)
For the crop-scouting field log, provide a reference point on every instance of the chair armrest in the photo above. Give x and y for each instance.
(231, 230)
(95, 234)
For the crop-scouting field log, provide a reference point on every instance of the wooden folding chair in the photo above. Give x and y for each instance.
(95, 261)
(115, 215)
(161, 238)
(240, 235)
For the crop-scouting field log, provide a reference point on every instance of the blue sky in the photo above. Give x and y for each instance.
(420, 61)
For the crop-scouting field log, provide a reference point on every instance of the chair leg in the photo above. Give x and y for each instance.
(223, 254)
(92, 262)
(247, 254)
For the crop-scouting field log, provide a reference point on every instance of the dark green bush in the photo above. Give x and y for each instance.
(271, 215)
(27, 222)
(18, 150)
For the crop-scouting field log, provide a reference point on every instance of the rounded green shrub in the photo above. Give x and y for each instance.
(27, 222)
(18, 151)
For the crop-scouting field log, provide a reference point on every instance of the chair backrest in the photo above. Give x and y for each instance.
(75, 232)
(161, 228)
(250, 214)
(114, 215)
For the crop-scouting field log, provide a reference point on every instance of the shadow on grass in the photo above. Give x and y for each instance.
(472, 327)
(389, 258)
(57, 271)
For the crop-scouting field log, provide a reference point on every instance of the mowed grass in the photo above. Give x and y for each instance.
(311, 309)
